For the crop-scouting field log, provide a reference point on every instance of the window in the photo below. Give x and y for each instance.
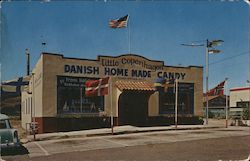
(185, 99)
(243, 104)
(71, 97)
(4, 124)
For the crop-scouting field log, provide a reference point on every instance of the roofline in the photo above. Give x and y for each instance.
(63, 57)
(190, 66)
(98, 58)
(239, 89)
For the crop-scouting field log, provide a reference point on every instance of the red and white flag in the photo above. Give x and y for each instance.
(97, 87)
(218, 90)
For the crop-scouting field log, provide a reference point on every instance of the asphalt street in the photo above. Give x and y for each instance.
(206, 144)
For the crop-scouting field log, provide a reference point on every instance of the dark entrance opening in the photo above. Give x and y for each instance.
(133, 107)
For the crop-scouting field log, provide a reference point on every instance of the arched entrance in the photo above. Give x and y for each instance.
(133, 107)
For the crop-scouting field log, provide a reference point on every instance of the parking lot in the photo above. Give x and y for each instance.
(50, 147)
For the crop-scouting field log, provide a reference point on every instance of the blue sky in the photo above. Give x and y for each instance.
(80, 29)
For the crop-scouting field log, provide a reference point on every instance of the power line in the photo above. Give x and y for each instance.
(219, 61)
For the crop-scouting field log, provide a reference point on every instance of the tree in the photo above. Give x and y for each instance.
(246, 113)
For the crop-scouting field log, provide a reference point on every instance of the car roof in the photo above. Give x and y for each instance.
(3, 117)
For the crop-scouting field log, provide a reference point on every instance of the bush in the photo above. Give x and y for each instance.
(246, 114)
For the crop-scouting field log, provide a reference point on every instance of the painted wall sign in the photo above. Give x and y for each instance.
(127, 66)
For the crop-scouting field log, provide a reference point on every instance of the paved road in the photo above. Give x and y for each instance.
(209, 144)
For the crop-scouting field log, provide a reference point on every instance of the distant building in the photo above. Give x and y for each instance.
(239, 100)
(216, 106)
(11, 95)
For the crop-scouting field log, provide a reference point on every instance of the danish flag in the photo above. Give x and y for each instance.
(97, 87)
(218, 90)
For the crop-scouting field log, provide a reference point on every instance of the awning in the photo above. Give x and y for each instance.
(133, 85)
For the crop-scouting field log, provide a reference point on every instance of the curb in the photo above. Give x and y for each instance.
(151, 130)
(65, 136)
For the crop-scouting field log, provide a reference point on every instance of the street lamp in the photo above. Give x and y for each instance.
(209, 50)
(226, 102)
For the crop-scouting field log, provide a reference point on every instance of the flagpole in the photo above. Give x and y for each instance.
(129, 37)
(176, 102)
(81, 99)
(111, 106)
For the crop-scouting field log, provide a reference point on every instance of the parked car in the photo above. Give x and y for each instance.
(9, 136)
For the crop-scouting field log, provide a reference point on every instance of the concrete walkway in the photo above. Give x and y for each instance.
(118, 130)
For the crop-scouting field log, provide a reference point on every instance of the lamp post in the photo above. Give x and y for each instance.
(27, 61)
(209, 50)
(226, 103)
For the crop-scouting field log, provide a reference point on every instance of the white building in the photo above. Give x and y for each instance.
(239, 99)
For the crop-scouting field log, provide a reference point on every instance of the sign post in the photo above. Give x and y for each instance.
(111, 106)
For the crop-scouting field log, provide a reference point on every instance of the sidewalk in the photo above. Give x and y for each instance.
(118, 130)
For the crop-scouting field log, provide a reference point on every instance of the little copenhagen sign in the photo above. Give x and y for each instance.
(127, 66)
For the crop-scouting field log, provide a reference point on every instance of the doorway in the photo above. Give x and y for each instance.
(133, 107)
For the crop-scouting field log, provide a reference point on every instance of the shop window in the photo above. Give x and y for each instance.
(71, 97)
(243, 104)
(185, 99)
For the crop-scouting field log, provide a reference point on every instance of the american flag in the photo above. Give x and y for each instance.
(119, 23)
(247, 1)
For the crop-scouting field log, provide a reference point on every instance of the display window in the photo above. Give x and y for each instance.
(71, 96)
(185, 99)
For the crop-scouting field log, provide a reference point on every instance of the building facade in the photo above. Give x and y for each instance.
(216, 106)
(239, 100)
(56, 94)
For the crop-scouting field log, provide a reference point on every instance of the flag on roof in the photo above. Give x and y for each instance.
(119, 23)
(218, 90)
(97, 87)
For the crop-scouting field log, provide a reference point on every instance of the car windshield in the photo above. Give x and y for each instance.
(4, 124)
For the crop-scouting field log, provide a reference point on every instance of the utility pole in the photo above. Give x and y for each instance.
(209, 50)
(225, 89)
(27, 61)
(207, 61)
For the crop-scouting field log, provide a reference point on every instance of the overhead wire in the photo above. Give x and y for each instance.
(231, 57)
